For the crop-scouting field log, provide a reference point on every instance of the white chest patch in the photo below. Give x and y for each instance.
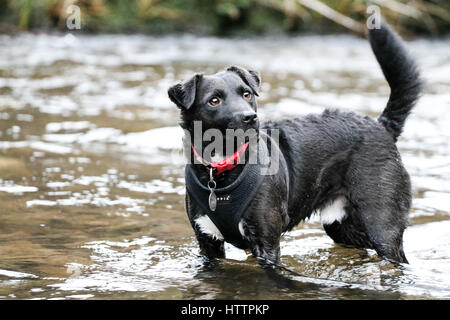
(333, 212)
(208, 227)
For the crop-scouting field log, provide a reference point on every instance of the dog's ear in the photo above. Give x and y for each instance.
(183, 94)
(250, 77)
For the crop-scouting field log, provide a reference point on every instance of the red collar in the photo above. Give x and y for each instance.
(226, 164)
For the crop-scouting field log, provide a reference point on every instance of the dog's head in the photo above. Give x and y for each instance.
(225, 100)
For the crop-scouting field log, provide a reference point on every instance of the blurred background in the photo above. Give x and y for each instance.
(221, 17)
(91, 182)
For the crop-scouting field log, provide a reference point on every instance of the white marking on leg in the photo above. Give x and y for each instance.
(333, 212)
(208, 227)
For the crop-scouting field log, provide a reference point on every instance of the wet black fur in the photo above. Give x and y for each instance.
(325, 156)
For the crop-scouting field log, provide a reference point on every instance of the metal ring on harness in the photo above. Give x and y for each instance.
(209, 186)
(211, 180)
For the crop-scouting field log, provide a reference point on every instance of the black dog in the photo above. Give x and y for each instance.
(342, 164)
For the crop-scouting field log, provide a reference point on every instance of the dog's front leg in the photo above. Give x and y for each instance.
(210, 246)
(268, 254)
(264, 242)
(264, 222)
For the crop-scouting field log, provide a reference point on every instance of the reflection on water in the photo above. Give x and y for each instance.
(92, 188)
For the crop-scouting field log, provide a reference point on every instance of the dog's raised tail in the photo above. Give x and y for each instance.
(401, 73)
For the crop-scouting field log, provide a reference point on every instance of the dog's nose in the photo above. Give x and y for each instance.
(249, 117)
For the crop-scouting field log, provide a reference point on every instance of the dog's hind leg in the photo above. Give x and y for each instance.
(367, 230)
(385, 227)
(370, 206)
(380, 199)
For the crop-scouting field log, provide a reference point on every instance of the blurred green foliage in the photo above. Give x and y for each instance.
(219, 17)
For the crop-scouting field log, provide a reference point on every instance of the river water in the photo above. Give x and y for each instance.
(92, 187)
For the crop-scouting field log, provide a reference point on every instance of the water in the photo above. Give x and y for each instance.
(92, 187)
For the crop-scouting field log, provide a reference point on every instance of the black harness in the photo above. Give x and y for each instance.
(232, 200)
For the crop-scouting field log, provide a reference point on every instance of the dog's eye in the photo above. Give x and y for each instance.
(214, 101)
(247, 95)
